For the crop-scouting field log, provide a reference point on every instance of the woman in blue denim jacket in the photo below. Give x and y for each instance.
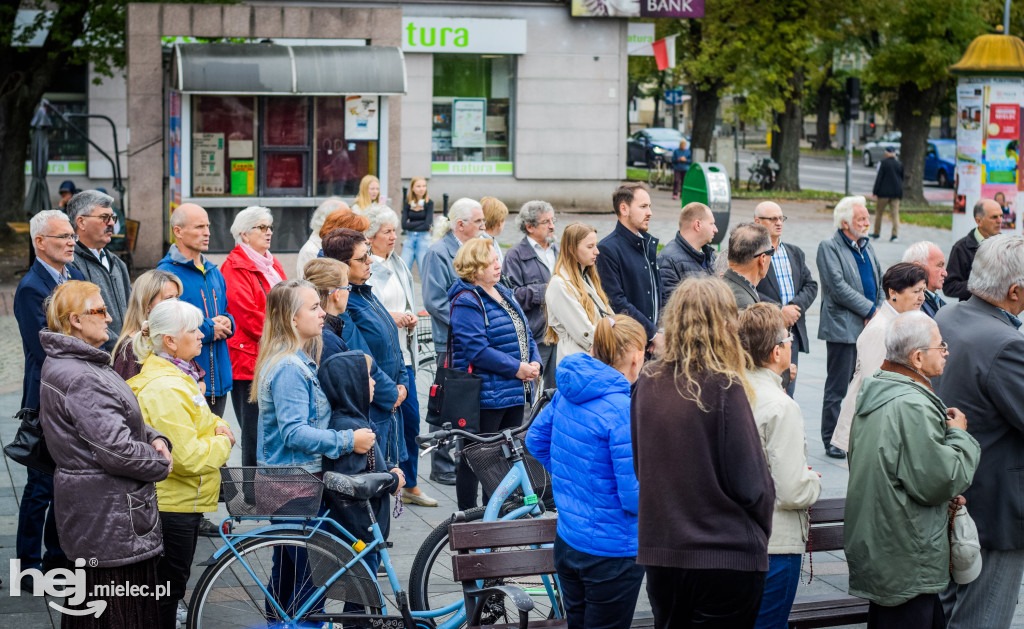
(294, 411)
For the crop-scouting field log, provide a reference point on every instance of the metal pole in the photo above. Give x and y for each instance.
(736, 146)
(1006, 17)
(849, 153)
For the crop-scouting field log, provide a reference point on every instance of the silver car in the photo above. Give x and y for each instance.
(874, 151)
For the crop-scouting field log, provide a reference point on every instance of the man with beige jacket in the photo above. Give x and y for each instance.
(764, 335)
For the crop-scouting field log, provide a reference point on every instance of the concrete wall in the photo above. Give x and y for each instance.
(147, 23)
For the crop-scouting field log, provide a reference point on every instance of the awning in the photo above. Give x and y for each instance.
(269, 69)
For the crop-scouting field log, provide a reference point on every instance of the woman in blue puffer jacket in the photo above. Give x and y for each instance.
(490, 333)
(583, 439)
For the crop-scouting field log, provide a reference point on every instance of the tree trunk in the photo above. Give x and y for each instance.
(17, 105)
(914, 109)
(705, 108)
(791, 123)
(822, 140)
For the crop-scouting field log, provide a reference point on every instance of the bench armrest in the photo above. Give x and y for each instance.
(519, 598)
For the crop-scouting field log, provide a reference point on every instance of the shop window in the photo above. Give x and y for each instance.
(471, 114)
(285, 149)
(223, 151)
(345, 155)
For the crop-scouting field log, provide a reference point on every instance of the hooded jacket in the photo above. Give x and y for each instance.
(105, 502)
(484, 336)
(247, 289)
(905, 467)
(115, 285)
(205, 289)
(584, 433)
(171, 403)
(346, 383)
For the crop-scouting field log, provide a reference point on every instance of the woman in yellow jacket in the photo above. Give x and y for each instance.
(171, 402)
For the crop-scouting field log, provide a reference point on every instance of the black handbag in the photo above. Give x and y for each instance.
(455, 395)
(29, 445)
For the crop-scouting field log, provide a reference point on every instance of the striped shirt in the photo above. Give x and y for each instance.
(784, 274)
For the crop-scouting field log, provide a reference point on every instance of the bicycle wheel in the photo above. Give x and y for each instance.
(431, 583)
(228, 596)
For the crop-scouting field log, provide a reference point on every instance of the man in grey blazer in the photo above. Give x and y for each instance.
(789, 282)
(851, 281)
(750, 253)
(983, 378)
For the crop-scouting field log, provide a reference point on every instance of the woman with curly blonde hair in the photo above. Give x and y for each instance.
(706, 496)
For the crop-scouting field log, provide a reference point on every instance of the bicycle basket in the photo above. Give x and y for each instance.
(489, 464)
(270, 491)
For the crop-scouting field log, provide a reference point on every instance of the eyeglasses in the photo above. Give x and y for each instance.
(65, 237)
(334, 290)
(263, 228)
(106, 218)
(767, 252)
(549, 221)
(365, 259)
(96, 311)
(788, 339)
(942, 346)
(773, 219)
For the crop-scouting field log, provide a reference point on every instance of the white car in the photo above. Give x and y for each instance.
(874, 151)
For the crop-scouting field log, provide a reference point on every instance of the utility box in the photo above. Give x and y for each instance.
(709, 184)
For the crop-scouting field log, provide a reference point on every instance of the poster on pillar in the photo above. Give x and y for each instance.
(989, 135)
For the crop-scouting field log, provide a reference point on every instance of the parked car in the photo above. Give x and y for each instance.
(940, 162)
(646, 145)
(875, 151)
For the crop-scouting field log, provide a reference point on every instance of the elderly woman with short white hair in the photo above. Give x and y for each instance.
(392, 284)
(311, 250)
(250, 271)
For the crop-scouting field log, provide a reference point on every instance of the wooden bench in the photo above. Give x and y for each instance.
(827, 611)
(470, 566)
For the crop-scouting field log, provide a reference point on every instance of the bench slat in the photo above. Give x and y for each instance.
(823, 612)
(473, 535)
(826, 537)
(828, 510)
(519, 563)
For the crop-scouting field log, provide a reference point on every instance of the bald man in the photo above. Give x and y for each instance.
(988, 215)
(789, 282)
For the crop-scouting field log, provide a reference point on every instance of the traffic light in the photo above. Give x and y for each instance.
(852, 109)
(871, 125)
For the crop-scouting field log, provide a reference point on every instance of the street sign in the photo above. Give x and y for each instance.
(674, 97)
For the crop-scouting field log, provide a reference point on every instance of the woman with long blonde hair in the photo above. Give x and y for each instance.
(369, 195)
(699, 459)
(574, 299)
(149, 289)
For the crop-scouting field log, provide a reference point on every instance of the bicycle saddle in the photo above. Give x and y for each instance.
(360, 486)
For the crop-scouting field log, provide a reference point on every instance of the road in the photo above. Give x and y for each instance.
(830, 175)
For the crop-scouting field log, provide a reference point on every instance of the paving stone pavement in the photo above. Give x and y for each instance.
(809, 223)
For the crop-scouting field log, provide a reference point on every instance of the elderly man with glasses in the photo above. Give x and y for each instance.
(750, 254)
(93, 219)
(54, 241)
(789, 282)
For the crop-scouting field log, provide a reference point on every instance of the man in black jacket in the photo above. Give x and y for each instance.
(789, 282)
(690, 252)
(888, 191)
(989, 217)
(628, 265)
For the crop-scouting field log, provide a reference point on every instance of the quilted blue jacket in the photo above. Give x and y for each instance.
(487, 340)
(582, 439)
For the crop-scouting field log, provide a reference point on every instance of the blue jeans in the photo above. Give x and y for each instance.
(415, 248)
(36, 523)
(598, 592)
(779, 591)
(410, 429)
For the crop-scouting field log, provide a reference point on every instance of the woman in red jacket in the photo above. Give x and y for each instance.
(250, 271)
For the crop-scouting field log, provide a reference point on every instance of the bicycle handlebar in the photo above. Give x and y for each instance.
(445, 433)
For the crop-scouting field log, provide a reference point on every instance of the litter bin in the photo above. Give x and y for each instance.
(709, 184)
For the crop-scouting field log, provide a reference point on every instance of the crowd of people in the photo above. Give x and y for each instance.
(675, 448)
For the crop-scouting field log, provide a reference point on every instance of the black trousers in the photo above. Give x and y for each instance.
(921, 612)
(218, 405)
(712, 599)
(598, 592)
(181, 533)
(491, 420)
(248, 415)
(791, 387)
(841, 362)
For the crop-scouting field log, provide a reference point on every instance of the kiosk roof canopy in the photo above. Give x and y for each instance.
(268, 69)
(993, 54)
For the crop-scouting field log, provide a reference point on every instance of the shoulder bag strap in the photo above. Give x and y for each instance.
(451, 309)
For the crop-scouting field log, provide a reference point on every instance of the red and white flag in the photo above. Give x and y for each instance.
(665, 52)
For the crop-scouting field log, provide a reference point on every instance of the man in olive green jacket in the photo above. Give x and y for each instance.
(909, 457)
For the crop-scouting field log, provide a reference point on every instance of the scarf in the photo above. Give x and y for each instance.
(184, 365)
(264, 264)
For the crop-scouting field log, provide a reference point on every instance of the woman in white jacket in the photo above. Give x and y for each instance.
(781, 427)
(574, 299)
